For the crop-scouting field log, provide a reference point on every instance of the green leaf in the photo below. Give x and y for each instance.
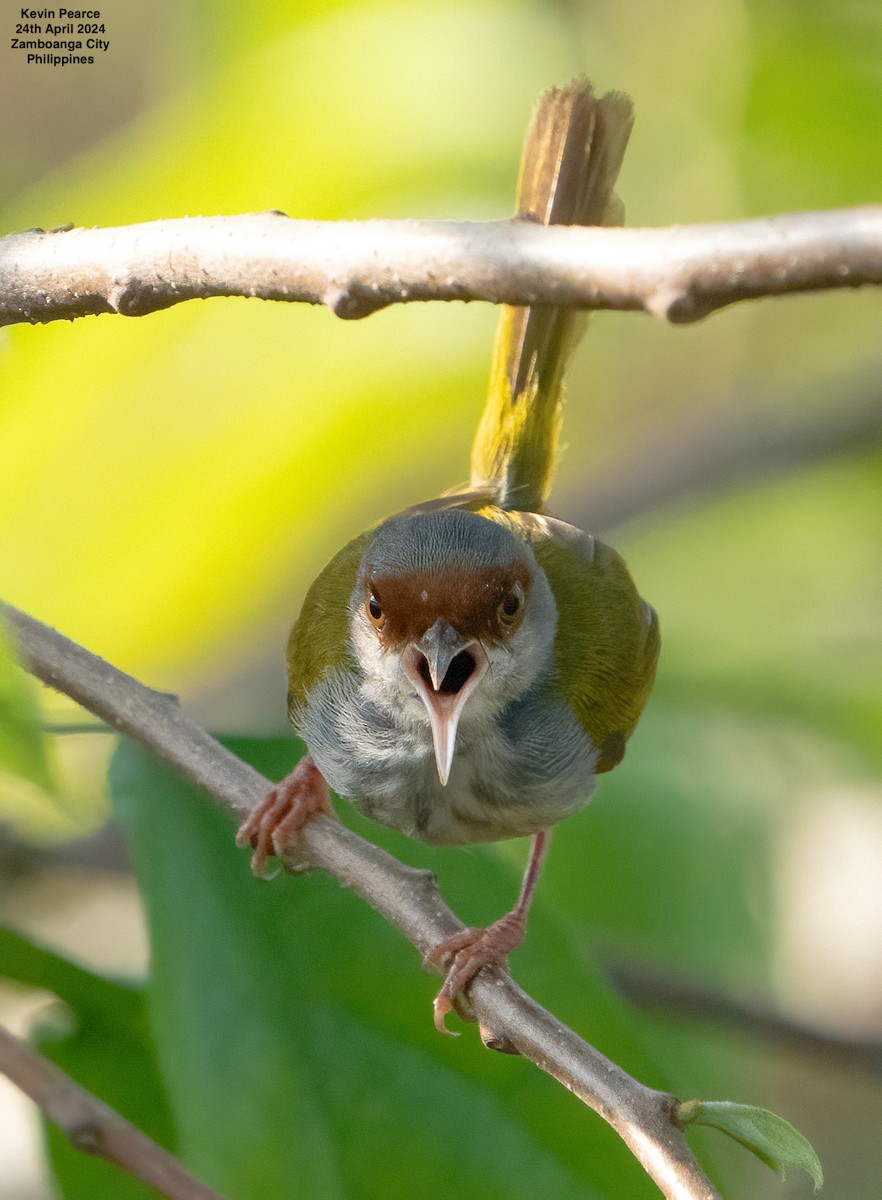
(108, 1050)
(294, 1027)
(23, 746)
(764, 1134)
(28, 962)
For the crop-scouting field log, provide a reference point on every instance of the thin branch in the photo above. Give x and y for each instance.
(659, 991)
(92, 1126)
(708, 455)
(509, 1019)
(355, 268)
(103, 850)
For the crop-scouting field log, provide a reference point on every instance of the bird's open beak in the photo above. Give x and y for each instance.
(445, 668)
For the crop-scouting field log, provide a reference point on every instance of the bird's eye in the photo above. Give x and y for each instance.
(510, 607)
(375, 611)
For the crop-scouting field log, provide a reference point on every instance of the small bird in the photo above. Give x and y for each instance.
(464, 671)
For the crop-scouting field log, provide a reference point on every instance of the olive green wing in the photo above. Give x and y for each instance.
(319, 641)
(607, 642)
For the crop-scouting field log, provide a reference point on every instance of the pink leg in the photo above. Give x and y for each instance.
(276, 822)
(464, 954)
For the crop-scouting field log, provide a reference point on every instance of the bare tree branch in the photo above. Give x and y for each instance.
(355, 268)
(102, 850)
(92, 1126)
(708, 455)
(662, 992)
(509, 1020)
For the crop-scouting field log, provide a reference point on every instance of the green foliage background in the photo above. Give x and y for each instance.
(171, 485)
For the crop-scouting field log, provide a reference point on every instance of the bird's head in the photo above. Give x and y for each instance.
(450, 610)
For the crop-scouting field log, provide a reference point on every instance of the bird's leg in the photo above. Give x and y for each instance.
(274, 824)
(465, 953)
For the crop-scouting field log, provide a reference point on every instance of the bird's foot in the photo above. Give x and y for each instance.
(464, 954)
(275, 824)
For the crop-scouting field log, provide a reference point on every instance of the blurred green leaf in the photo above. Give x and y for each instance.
(23, 746)
(107, 1047)
(28, 962)
(670, 861)
(294, 1026)
(763, 1133)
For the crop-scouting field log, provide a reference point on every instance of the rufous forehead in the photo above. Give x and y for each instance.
(468, 598)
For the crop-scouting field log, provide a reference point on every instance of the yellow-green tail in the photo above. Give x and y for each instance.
(572, 154)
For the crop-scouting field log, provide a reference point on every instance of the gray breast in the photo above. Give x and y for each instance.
(514, 774)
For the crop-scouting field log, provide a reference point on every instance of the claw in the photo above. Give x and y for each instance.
(465, 954)
(443, 1005)
(276, 823)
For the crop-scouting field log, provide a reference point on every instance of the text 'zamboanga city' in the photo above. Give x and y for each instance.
(43, 27)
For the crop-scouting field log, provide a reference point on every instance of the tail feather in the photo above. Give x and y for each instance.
(572, 155)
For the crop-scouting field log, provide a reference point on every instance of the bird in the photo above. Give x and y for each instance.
(464, 671)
